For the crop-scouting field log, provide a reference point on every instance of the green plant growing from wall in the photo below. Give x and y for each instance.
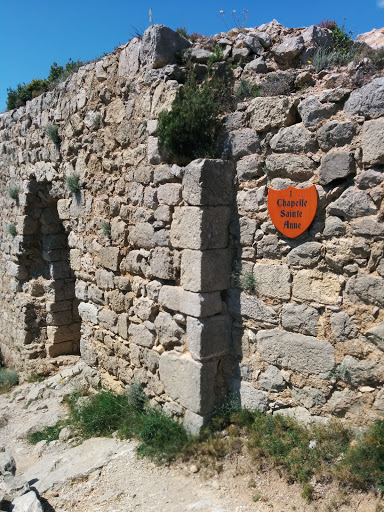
(191, 128)
(52, 132)
(106, 228)
(246, 90)
(72, 182)
(13, 192)
(247, 282)
(11, 229)
(217, 56)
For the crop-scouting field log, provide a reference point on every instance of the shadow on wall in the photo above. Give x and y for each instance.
(52, 323)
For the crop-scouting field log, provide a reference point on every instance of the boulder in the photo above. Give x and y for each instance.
(373, 141)
(294, 139)
(160, 46)
(300, 318)
(28, 502)
(312, 111)
(290, 166)
(334, 134)
(266, 113)
(286, 51)
(376, 335)
(352, 203)
(368, 100)
(336, 165)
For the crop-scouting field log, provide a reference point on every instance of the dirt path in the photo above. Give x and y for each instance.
(104, 474)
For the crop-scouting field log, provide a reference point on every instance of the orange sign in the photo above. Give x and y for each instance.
(292, 210)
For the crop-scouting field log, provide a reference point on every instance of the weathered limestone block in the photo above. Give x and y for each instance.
(200, 228)
(272, 380)
(315, 286)
(333, 227)
(358, 372)
(286, 51)
(365, 290)
(308, 397)
(193, 304)
(257, 65)
(369, 179)
(7, 463)
(63, 206)
(272, 281)
(208, 183)
(290, 166)
(316, 36)
(300, 318)
(376, 335)
(246, 232)
(169, 194)
(189, 382)
(248, 396)
(341, 401)
(294, 139)
(266, 113)
(368, 100)
(140, 335)
(240, 143)
(88, 312)
(129, 61)
(160, 46)
(379, 401)
(136, 262)
(352, 203)
(28, 502)
(312, 111)
(142, 235)
(144, 308)
(304, 354)
(110, 258)
(104, 279)
(299, 414)
(241, 304)
(343, 327)
(373, 141)
(249, 167)
(367, 226)
(163, 263)
(334, 134)
(96, 295)
(69, 332)
(336, 165)
(122, 325)
(305, 255)
(208, 338)
(205, 271)
(252, 200)
(115, 112)
(107, 319)
(169, 333)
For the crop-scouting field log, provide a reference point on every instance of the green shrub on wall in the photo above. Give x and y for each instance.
(190, 129)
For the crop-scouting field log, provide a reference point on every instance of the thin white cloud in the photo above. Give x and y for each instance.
(380, 3)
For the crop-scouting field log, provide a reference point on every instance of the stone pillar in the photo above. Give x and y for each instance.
(200, 230)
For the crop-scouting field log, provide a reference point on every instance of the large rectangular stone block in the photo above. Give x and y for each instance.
(208, 337)
(200, 228)
(304, 354)
(272, 281)
(209, 182)
(315, 286)
(193, 304)
(110, 258)
(242, 304)
(205, 271)
(189, 382)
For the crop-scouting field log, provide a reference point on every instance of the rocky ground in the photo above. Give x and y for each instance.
(103, 474)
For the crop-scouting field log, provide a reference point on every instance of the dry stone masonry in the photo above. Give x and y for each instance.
(175, 277)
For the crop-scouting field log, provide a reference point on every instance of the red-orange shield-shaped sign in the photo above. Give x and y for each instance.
(292, 210)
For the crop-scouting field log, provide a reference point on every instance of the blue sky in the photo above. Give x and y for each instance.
(36, 33)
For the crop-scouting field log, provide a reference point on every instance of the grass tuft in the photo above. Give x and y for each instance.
(48, 433)
(72, 182)
(247, 282)
(246, 90)
(13, 192)
(8, 379)
(11, 229)
(52, 132)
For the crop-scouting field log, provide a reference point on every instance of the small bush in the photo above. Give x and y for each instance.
(11, 229)
(246, 90)
(23, 93)
(183, 32)
(217, 55)
(52, 132)
(277, 84)
(48, 433)
(35, 377)
(13, 192)
(8, 379)
(191, 128)
(106, 228)
(72, 183)
(247, 282)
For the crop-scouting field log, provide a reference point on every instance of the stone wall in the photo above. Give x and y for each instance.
(175, 277)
